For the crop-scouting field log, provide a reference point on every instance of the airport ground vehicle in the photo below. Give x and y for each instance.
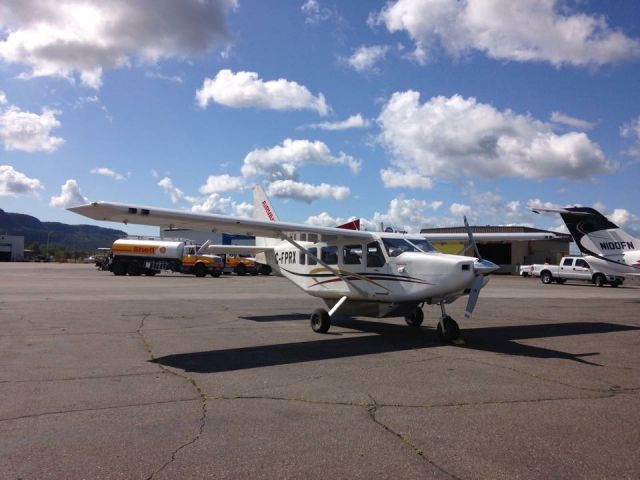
(525, 270)
(240, 265)
(149, 257)
(575, 268)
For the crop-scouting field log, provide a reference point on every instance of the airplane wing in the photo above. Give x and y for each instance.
(141, 215)
(488, 237)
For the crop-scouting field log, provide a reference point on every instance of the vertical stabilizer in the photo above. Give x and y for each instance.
(263, 210)
(595, 234)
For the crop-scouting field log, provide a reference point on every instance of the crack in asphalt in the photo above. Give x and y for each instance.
(372, 409)
(201, 395)
(89, 377)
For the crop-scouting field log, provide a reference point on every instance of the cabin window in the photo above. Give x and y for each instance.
(329, 255)
(312, 251)
(312, 237)
(581, 263)
(375, 257)
(352, 254)
(303, 257)
(567, 262)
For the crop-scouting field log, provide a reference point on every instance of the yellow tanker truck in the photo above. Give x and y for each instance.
(149, 257)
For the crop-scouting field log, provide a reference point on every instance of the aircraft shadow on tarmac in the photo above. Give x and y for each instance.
(388, 338)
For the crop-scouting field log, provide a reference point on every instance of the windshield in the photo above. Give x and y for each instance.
(423, 244)
(397, 246)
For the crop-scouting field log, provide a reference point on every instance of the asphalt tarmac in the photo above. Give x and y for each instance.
(180, 377)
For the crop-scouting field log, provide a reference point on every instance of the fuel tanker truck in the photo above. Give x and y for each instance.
(148, 257)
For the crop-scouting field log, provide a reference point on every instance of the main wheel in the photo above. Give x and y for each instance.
(599, 280)
(241, 270)
(546, 277)
(452, 331)
(200, 270)
(320, 321)
(415, 318)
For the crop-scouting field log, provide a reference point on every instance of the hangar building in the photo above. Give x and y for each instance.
(11, 248)
(509, 255)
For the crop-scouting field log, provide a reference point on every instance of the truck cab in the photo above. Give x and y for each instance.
(576, 268)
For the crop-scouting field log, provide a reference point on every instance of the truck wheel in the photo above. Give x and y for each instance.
(599, 280)
(615, 284)
(134, 270)
(200, 270)
(560, 281)
(119, 269)
(241, 270)
(265, 270)
(546, 278)
(215, 273)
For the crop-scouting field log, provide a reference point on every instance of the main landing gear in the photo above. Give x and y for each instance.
(321, 319)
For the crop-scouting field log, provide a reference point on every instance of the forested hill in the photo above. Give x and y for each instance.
(73, 237)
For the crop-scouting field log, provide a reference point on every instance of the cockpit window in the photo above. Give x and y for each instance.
(423, 244)
(397, 246)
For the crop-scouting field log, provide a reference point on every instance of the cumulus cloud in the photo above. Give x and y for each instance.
(522, 31)
(70, 195)
(214, 203)
(631, 130)
(455, 136)
(459, 209)
(14, 183)
(306, 192)
(247, 90)
(221, 183)
(314, 13)
(364, 59)
(396, 179)
(107, 172)
(27, 131)
(69, 38)
(354, 121)
(282, 161)
(174, 192)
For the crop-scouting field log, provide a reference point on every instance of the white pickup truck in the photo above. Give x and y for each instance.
(574, 268)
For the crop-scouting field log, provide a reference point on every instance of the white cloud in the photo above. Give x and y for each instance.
(14, 183)
(243, 209)
(395, 179)
(3, 98)
(66, 38)
(455, 136)
(70, 195)
(214, 203)
(107, 172)
(313, 13)
(526, 30)
(559, 117)
(631, 130)
(305, 191)
(29, 131)
(282, 161)
(221, 183)
(174, 192)
(166, 78)
(364, 58)
(460, 209)
(247, 90)
(354, 121)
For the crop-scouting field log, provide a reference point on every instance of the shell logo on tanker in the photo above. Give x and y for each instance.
(145, 249)
(163, 250)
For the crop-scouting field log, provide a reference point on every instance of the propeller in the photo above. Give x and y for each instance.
(481, 267)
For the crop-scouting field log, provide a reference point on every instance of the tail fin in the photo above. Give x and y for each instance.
(595, 234)
(263, 210)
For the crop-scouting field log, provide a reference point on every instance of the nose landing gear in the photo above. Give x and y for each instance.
(448, 329)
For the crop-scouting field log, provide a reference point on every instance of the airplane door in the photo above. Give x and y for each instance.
(375, 262)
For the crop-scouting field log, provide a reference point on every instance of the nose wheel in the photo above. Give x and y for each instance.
(447, 329)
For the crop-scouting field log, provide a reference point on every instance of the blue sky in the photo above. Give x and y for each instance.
(410, 112)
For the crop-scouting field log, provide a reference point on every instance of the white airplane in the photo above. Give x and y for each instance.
(601, 241)
(360, 273)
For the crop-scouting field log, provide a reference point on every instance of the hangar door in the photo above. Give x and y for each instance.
(5, 252)
(498, 253)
